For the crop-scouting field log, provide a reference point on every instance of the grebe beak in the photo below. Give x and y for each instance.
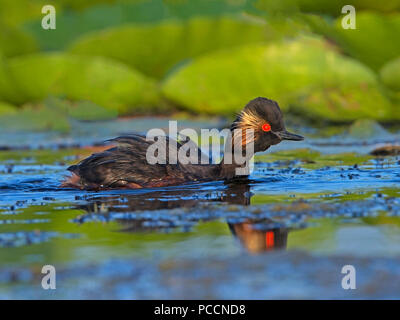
(286, 135)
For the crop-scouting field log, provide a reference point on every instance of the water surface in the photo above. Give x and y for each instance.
(307, 210)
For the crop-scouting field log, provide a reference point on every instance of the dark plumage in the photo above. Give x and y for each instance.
(126, 166)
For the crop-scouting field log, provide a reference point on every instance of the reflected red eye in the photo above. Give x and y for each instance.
(266, 127)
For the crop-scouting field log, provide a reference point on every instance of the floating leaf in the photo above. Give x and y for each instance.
(14, 41)
(72, 24)
(6, 108)
(154, 49)
(329, 7)
(13, 13)
(367, 129)
(390, 74)
(103, 81)
(80, 110)
(8, 91)
(373, 42)
(345, 103)
(306, 74)
(35, 118)
(88, 111)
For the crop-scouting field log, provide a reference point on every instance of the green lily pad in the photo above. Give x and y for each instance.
(8, 91)
(89, 111)
(334, 8)
(343, 104)
(36, 75)
(80, 110)
(312, 159)
(390, 74)
(326, 7)
(307, 74)
(14, 41)
(366, 129)
(95, 17)
(154, 49)
(35, 118)
(40, 116)
(373, 42)
(105, 82)
(13, 13)
(6, 108)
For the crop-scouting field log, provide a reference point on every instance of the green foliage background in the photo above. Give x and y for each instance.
(128, 57)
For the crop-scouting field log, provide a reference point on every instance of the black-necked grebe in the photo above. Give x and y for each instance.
(126, 166)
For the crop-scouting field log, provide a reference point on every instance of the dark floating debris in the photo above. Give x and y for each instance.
(293, 215)
(21, 238)
(387, 150)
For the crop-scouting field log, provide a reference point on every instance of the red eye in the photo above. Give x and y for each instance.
(266, 127)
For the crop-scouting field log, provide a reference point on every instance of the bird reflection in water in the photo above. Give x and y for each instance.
(255, 236)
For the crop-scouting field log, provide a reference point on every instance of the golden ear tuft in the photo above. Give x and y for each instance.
(249, 119)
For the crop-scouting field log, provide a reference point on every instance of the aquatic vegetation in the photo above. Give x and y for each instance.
(311, 159)
(305, 75)
(93, 17)
(88, 111)
(371, 42)
(14, 41)
(79, 78)
(183, 49)
(32, 119)
(14, 13)
(6, 108)
(164, 45)
(39, 117)
(366, 129)
(41, 156)
(390, 75)
(8, 92)
(327, 7)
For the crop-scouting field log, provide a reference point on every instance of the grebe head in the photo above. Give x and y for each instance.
(265, 118)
